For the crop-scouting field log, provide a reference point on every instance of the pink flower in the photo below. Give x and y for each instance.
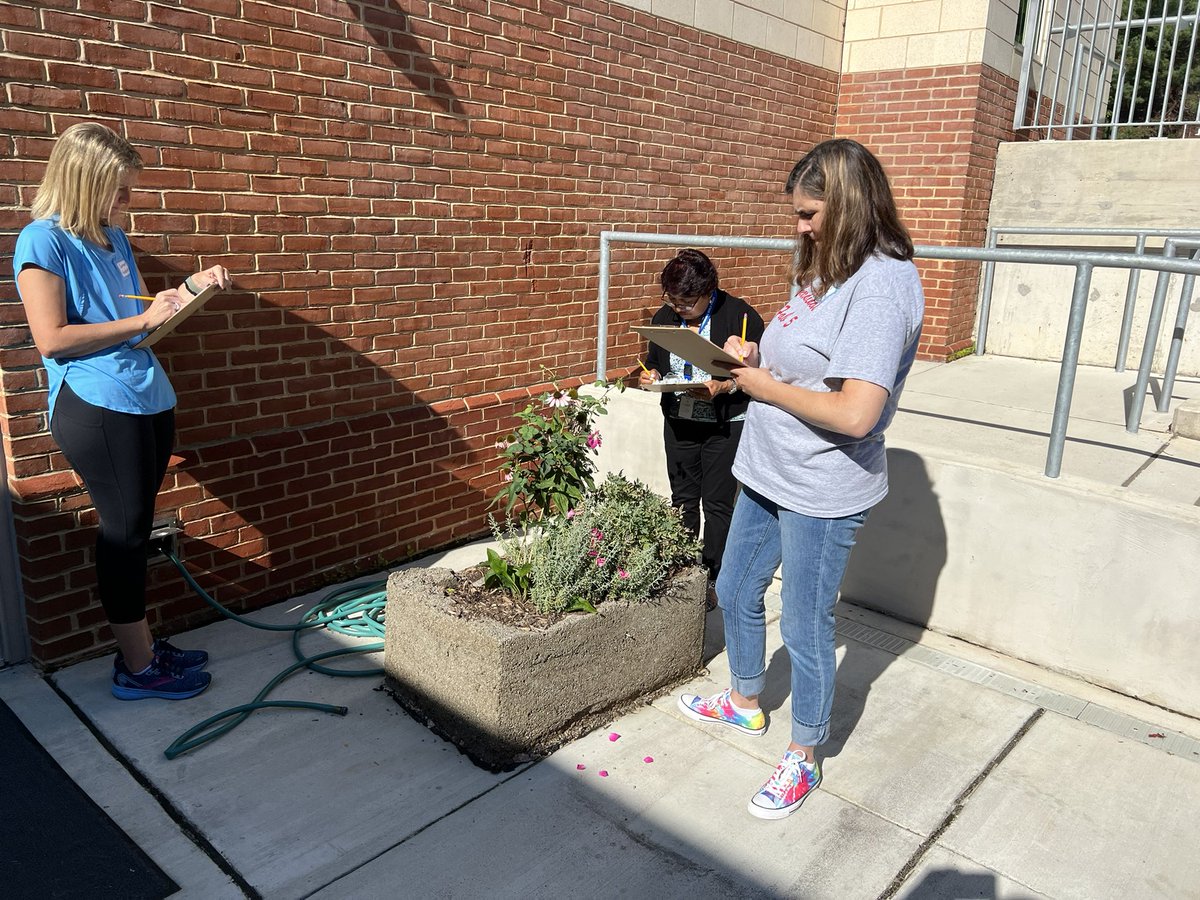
(597, 535)
(558, 398)
(594, 441)
(508, 476)
(600, 560)
(571, 513)
(621, 573)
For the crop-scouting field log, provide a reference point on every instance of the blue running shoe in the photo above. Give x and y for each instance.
(161, 679)
(187, 660)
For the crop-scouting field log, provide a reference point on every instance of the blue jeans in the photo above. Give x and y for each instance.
(814, 553)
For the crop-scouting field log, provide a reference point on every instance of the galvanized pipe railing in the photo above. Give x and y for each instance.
(1141, 234)
(1084, 262)
(1134, 416)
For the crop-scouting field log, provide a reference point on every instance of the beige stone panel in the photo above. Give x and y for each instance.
(750, 26)
(963, 15)
(776, 8)
(715, 16)
(812, 48)
(781, 36)
(833, 56)
(829, 19)
(682, 11)
(910, 18)
(643, 5)
(939, 49)
(877, 55)
(862, 24)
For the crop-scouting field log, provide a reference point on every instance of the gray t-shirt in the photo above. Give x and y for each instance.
(868, 329)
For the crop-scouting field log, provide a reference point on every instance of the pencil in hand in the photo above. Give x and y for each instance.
(139, 297)
(742, 354)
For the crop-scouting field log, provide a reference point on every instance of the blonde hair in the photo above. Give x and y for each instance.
(82, 176)
(859, 217)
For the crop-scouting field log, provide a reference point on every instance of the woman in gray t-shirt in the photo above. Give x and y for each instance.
(825, 381)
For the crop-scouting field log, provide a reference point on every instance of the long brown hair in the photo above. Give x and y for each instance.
(859, 217)
(82, 177)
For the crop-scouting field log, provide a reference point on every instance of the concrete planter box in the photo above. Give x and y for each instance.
(505, 695)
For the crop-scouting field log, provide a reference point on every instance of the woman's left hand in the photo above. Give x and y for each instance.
(709, 389)
(217, 275)
(754, 381)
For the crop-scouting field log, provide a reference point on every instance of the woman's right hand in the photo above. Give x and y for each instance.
(746, 351)
(647, 377)
(166, 303)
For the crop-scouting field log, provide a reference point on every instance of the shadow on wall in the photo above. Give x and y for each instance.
(389, 29)
(339, 469)
(895, 565)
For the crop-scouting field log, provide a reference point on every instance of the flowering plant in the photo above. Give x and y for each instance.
(619, 544)
(547, 463)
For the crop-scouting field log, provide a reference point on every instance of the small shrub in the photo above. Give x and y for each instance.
(619, 544)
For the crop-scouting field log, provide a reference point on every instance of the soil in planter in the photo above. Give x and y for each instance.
(470, 600)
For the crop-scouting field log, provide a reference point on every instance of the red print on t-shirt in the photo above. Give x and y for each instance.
(787, 315)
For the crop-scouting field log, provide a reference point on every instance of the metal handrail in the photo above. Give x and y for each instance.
(1084, 263)
(1142, 234)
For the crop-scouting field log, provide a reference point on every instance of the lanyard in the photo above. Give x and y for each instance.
(687, 366)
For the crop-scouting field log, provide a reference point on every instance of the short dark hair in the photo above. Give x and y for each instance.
(689, 274)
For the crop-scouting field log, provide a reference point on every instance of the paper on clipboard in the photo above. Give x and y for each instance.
(664, 387)
(687, 344)
(178, 317)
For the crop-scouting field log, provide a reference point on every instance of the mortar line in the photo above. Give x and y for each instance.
(957, 807)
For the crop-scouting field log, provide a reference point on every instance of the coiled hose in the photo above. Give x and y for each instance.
(356, 611)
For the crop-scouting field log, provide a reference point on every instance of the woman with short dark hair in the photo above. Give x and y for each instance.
(702, 425)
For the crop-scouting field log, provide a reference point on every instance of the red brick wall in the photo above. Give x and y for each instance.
(410, 202)
(936, 131)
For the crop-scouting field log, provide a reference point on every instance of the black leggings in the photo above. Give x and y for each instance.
(122, 459)
(700, 468)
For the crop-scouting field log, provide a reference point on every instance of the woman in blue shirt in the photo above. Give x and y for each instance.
(112, 408)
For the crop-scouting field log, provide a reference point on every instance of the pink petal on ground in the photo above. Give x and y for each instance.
(604, 773)
(613, 736)
(580, 766)
(647, 759)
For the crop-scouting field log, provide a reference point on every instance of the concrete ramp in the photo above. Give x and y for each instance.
(1094, 574)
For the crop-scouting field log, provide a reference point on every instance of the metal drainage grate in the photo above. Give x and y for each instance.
(1064, 704)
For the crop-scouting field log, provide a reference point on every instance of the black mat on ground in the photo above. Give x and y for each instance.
(55, 842)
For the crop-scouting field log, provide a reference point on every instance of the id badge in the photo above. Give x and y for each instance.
(687, 404)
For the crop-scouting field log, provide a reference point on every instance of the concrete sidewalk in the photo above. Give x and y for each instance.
(954, 773)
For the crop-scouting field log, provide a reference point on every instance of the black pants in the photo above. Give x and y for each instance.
(122, 459)
(700, 468)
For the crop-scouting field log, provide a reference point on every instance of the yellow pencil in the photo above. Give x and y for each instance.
(140, 297)
(742, 356)
(643, 365)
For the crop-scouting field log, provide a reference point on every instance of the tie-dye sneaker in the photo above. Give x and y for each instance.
(719, 708)
(793, 780)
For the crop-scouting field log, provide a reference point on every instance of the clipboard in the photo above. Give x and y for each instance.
(665, 387)
(687, 344)
(178, 318)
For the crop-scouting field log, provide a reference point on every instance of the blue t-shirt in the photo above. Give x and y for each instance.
(118, 377)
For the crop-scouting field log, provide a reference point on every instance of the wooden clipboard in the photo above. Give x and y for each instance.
(687, 344)
(178, 318)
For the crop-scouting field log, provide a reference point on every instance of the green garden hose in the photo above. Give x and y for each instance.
(356, 611)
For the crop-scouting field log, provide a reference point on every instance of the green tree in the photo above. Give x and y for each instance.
(1160, 80)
